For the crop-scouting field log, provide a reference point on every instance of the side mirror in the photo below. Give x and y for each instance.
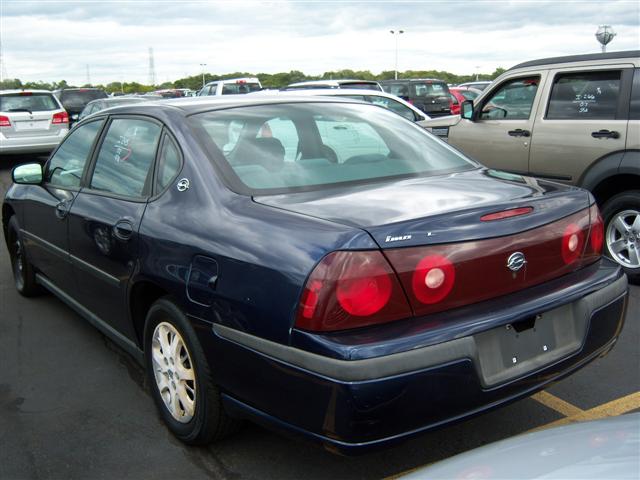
(466, 110)
(27, 174)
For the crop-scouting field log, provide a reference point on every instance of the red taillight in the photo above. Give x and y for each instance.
(351, 289)
(60, 117)
(433, 279)
(4, 121)
(572, 243)
(596, 235)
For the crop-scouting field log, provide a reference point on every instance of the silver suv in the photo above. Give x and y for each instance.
(31, 121)
(571, 119)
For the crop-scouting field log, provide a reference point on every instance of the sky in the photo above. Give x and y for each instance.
(55, 40)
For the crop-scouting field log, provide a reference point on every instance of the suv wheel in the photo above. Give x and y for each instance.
(621, 215)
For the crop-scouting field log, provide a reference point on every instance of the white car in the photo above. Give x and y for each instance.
(31, 121)
(343, 83)
(231, 86)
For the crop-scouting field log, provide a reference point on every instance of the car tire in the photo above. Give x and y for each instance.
(180, 378)
(24, 275)
(621, 214)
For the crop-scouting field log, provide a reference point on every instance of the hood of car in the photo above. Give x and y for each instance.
(437, 209)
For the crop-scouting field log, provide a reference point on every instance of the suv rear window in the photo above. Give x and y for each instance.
(430, 88)
(273, 149)
(80, 97)
(27, 101)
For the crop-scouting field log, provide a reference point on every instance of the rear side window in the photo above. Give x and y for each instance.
(398, 90)
(168, 163)
(634, 108)
(125, 157)
(513, 100)
(28, 102)
(585, 95)
(65, 168)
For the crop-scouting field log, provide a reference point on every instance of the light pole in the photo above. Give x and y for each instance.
(203, 65)
(604, 35)
(396, 34)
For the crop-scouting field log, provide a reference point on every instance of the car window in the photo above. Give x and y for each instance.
(430, 88)
(512, 100)
(634, 108)
(168, 163)
(65, 168)
(468, 94)
(284, 130)
(238, 88)
(126, 156)
(585, 95)
(398, 90)
(337, 143)
(27, 102)
(394, 106)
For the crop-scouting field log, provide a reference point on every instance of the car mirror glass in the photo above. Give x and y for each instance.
(28, 174)
(466, 110)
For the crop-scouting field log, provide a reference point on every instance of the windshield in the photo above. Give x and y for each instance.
(281, 148)
(27, 102)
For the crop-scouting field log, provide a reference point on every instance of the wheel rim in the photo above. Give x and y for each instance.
(18, 263)
(173, 372)
(623, 238)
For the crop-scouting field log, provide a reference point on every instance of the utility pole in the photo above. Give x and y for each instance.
(88, 75)
(202, 65)
(396, 34)
(152, 68)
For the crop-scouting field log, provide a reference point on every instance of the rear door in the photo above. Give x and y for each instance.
(106, 216)
(500, 136)
(584, 118)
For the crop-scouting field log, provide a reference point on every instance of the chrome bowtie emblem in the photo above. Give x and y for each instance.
(183, 184)
(516, 261)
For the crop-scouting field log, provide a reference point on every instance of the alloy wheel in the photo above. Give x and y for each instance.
(173, 372)
(623, 238)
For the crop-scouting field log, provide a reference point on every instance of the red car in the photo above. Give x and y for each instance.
(459, 95)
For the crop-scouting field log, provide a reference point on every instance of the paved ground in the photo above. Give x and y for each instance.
(73, 405)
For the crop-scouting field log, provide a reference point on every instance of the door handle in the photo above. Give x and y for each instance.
(62, 209)
(605, 134)
(519, 132)
(123, 230)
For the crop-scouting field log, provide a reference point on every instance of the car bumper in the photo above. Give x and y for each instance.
(354, 405)
(33, 144)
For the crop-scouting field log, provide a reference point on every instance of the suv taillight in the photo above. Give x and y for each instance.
(4, 121)
(60, 117)
(349, 290)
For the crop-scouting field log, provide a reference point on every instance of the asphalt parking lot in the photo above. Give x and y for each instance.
(73, 405)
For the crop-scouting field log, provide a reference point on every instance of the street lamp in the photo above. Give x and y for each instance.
(605, 34)
(203, 65)
(396, 34)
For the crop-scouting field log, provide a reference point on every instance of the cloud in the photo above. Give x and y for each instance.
(54, 40)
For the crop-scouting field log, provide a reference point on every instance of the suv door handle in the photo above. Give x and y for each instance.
(123, 230)
(518, 132)
(62, 209)
(605, 134)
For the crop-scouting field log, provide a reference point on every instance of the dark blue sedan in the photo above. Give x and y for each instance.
(321, 266)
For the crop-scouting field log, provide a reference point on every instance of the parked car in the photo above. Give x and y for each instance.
(354, 298)
(478, 85)
(170, 93)
(31, 121)
(100, 104)
(574, 120)
(429, 95)
(607, 448)
(231, 86)
(459, 95)
(341, 83)
(382, 99)
(75, 99)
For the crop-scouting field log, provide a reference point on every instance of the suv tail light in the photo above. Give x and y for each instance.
(60, 117)
(351, 289)
(4, 121)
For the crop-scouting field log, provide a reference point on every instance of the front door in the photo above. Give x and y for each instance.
(106, 216)
(47, 208)
(500, 136)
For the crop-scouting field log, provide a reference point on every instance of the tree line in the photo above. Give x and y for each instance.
(268, 80)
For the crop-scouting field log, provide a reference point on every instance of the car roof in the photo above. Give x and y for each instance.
(579, 58)
(400, 80)
(332, 82)
(25, 90)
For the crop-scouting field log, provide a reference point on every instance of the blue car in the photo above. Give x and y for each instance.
(321, 266)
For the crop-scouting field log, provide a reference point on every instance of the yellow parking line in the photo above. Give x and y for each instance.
(557, 404)
(610, 409)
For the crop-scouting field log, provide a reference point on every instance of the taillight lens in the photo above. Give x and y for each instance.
(572, 243)
(60, 117)
(433, 279)
(349, 290)
(4, 121)
(596, 234)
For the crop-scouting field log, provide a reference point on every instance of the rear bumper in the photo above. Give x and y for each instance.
(31, 144)
(354, 405)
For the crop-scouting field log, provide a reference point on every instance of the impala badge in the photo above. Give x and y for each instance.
(516, 261)
(183, 184)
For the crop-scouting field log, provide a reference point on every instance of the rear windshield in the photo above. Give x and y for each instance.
(80, 97)
(272, 149)
(361, 86)
(430, 88)
(237, 88)
(28, 102)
